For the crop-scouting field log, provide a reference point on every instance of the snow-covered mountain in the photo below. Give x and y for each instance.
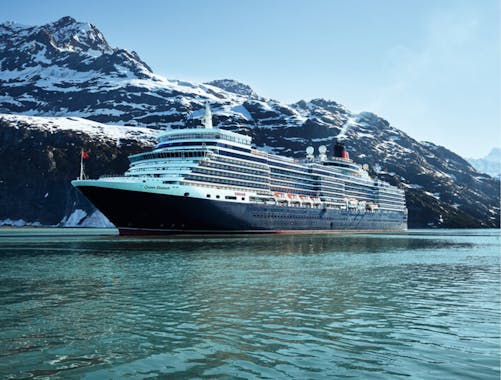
(41, 155)
(67, 69)
(490, 164)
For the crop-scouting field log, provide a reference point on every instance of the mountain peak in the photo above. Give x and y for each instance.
(490, 164)
(329, 105)
(12, 25)
(70, 34)
(494, 155)
(65, 34)
(74, 45)
(232, 86)
(65, 21)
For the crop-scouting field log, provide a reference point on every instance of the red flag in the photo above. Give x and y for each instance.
(84, 155)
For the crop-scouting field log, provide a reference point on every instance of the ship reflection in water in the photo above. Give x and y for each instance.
(422, 304)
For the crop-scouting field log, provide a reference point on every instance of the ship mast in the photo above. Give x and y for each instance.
(82, 156)
(207, 119)
(81, 166)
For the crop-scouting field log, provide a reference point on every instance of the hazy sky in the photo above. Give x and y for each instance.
(430, 67)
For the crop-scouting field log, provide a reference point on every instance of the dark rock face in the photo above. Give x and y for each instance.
(67, 68)
(35, 184)
(232, 86)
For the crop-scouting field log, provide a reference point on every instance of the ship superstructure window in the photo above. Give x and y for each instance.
(202, 135)
(158, 155)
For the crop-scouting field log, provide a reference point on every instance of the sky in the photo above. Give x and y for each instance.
(429, 67)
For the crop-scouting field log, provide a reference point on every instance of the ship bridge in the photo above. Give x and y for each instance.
(199, 136)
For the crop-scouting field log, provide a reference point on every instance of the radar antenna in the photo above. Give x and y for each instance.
(322, 149)
(309, 153)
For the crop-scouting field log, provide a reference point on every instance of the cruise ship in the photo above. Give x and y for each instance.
(211, 180)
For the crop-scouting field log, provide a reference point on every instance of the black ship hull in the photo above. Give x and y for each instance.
(137, 212)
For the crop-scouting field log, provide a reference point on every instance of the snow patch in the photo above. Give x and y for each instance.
(98, 220)
(412, 186)
(350, 122)
(243, 111)
(367, 135)
(434, 195)
(74, 219)
(18, 223)
(79, 218)
(91, 128)
(268, 149)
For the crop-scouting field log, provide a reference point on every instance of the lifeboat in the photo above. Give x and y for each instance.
(352, 203)
(281, 199)
(305, 201)
(294, 199)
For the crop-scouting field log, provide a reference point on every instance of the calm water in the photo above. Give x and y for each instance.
(421, 305)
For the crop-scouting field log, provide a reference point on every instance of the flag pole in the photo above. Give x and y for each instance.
(81, 165)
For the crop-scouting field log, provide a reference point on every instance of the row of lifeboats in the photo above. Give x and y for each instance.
(352, 203)
(296, 199)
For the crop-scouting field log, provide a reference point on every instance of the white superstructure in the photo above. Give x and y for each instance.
(209, 162)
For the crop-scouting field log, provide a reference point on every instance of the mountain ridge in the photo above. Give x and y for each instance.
(73, 75)
(490, 164)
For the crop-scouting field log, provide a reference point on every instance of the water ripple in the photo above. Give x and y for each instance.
(422, 305)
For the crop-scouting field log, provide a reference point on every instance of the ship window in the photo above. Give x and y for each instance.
(217, 196)
(243, 198)
(208, 195)
(186, 194)
(230, 197)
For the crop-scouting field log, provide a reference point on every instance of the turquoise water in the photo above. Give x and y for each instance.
(78, 305)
